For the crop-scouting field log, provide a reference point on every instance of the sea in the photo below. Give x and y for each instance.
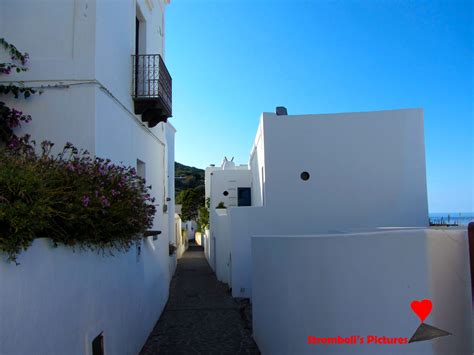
(459, 218)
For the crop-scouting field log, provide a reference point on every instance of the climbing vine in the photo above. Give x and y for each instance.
(11, 118)
(18, 59)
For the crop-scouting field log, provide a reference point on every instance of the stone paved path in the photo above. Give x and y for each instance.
(201, 317)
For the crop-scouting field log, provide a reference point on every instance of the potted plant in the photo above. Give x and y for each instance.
(221, 205)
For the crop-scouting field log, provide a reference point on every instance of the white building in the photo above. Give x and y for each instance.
(335, 242)
(319, 173)
(189, 228)
(230, 186)
(106, 89)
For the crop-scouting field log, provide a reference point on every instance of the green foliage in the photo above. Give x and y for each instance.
(17, 91)
(72, 198)
(18, 59)
(9, 117)
(221, 205)
(203, 218)
(191, 200)
(187, 177)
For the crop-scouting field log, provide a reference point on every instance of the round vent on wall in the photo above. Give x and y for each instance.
(304, 176)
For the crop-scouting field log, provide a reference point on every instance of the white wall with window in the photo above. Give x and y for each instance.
(231, 186)
(317, 173)
(81, 54)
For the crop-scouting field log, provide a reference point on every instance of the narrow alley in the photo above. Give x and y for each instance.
(201, 316)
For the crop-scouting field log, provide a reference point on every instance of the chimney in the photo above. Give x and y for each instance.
(281, 111)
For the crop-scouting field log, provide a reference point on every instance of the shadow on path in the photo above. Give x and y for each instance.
(201, 316)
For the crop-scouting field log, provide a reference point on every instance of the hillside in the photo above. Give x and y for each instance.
(187, 177)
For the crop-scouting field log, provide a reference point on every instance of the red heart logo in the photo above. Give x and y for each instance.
(422, 308)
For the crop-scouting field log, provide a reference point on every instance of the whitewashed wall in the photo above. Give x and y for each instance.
(180, 242)
(207, 179)
(206, 244)
(87, 45)
(257, 167)
(83, 48)
(167, 174)
(228, 180)
(221, 233)
(366, 170)
(219, 181)
(360, 284)
(199, 238)
(245, 222)
(57, 300)
(58, 35)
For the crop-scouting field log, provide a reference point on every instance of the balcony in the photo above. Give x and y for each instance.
(151, 88)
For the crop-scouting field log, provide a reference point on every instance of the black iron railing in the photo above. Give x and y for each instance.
(151, 80)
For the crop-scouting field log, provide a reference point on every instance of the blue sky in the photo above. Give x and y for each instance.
(232, 60)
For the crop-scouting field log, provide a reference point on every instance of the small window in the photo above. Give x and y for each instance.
(304, 176)
(244, 196)
(226, 193)
(98, 345)
(141, 168)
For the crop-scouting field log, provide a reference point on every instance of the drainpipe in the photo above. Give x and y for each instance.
(470, 232)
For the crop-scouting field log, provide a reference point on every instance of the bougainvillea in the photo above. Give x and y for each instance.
(11, 118)
(18, 59)
(72, 198)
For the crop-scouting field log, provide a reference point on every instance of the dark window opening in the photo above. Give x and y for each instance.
(137, 36)
(226, 193)
(137, 46)
(98, 345)
(244, 196)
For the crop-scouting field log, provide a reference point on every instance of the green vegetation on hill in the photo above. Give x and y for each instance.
(187, 177)
(189, 190)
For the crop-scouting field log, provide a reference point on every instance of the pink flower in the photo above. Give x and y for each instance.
(13, 144)
(85, 201)
(104, 201)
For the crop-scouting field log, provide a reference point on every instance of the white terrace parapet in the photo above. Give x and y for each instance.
(360, 284)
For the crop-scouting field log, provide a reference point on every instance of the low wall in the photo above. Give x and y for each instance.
(181, 240)
(221, 234)
(198, 238)
(244, 223)
(205, 243)
(57, 300)
(173, 259)
(360, 284)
